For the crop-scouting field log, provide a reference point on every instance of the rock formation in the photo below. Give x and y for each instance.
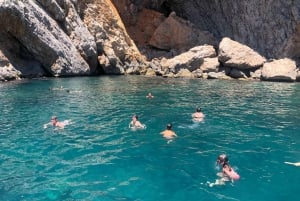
(236, 55)
(279, 70)
(39, 39)
(63, 38)
(176, 33)
(162, 37)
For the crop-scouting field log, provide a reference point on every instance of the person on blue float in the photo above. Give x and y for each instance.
(135, 123)
(169, 133)
(198, 115)
(226, 168)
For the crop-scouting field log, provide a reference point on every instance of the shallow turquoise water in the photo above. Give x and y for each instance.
(99, 158)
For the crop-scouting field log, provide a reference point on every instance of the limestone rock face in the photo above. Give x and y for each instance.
(146, 23)
(88, 37)
(30, 26)
(298, 75)
(270, 27)
(236, 55)
(113, 42)
(7, 71)
(279, 70)
(65, 38)
(176, 33)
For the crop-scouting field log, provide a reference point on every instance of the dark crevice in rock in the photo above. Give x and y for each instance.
(20, 57)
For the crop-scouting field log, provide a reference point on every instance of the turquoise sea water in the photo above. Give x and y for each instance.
(98, 158)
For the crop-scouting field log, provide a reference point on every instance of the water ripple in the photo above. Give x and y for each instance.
(98, 158)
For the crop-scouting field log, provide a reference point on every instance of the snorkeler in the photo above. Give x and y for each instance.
(135, 123)
(198, 115)
(169, 133)
(226, 168)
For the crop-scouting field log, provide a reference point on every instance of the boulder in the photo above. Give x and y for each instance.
(218, 75)
(283, 70)
(236, 73)
(190, 60)
(210, 65)
(184, 73)
(236, 55)
(256, 74)
(8, 73)
(198, 73)
(150, 72)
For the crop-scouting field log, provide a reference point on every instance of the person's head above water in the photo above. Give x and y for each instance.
(169, 126)
(54, 120)
(135, 117)
(198, 109)
(150, 95)
(222, 159)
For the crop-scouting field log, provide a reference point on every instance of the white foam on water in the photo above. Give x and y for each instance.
(218, 182)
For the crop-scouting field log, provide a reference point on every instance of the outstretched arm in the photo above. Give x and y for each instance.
(295, 164)
(46, 125)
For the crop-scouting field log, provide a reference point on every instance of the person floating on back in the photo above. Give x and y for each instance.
(135, 123)
(226, 168)
(169, 133)
(198, 115)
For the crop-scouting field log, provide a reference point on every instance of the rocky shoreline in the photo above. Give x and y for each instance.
(59, 38)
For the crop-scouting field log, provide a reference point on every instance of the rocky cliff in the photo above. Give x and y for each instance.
(90, 37)
(63, 38)
(271, 27)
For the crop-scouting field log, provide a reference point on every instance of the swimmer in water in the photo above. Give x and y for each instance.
(61, 88)
(198, 115)
(149, 95)
(135, 123)
(226, 168)
(55, 123)
(169, 133)
(224, 162)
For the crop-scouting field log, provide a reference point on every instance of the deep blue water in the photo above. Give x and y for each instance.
(99, 158)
